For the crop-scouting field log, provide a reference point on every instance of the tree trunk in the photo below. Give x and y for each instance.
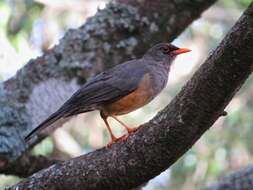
(164, 139)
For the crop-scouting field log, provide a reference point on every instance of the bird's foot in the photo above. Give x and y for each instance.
(116, 139)
(123, 137)
(132, 130)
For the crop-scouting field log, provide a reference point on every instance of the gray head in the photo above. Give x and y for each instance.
(164, 53)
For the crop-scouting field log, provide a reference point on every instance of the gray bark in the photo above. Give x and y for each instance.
(27, 164)
(161, 141)
(118, 33)
(240, 180)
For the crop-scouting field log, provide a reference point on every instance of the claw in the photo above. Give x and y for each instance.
(115, 139)
(132, 130)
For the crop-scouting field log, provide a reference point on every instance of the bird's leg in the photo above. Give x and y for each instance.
(129, 130)
(113, 138)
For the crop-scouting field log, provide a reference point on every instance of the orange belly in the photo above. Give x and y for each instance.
(138, 98)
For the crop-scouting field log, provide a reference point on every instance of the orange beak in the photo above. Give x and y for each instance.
(181, 50)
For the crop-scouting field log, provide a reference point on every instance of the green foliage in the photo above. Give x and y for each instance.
(44, 148)
(6, 181)
(236, 3)
(21, 20)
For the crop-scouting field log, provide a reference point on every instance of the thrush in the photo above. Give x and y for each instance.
(121, 89)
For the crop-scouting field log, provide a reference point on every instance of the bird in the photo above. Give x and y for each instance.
(120, 90)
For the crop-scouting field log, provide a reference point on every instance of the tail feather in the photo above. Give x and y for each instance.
(49, 121)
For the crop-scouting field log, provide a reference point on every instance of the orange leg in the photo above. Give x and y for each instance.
(113, 138)
(129, 130)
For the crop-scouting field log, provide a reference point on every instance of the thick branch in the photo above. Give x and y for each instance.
(240, 180)
(26, 165)
(115, 34)
(160, 142)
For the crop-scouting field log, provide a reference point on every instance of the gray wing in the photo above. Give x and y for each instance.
(109, 86)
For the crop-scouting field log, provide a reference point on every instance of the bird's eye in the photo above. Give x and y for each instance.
(165, 50)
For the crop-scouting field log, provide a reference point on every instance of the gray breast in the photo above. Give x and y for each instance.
(159, 76)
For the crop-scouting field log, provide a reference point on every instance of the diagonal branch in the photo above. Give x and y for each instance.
(160, 142)
(115, 34)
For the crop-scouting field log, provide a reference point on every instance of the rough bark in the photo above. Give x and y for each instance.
(161, 141)
(240, 180)
(28, 164)
(116, 34)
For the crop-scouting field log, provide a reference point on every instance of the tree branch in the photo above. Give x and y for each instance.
(240, 180)
(26, 165)
(161, 141)
(117, 33)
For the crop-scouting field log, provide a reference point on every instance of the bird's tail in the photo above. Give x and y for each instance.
(49, 121)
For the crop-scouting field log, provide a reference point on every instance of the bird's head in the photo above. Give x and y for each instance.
(165, 52)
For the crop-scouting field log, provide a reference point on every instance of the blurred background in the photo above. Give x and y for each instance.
(29, 27)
